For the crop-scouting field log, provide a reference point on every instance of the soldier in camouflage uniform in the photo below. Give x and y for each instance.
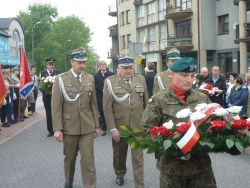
(124, 99)
(163, 79)
(195, 172)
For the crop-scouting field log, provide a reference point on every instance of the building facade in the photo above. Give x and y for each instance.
(11, 40)
(215, 32)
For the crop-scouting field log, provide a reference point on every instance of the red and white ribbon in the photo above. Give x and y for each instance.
(189, 140)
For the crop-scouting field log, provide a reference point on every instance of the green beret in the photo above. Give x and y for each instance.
(173, 53)
(185, 64)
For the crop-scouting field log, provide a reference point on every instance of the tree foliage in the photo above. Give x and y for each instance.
(55, 36)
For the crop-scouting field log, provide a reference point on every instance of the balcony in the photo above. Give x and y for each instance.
(237, 34)
(182, 42)
(176, 12)
(137, 2)
(140, 22)
(113, 31)
(112, 11)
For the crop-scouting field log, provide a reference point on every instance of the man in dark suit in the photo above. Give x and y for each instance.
(217, 80)
(47, 97)
(99, 77)
(149, 77)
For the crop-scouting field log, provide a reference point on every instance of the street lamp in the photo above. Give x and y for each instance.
(33, 36)
(65, 62)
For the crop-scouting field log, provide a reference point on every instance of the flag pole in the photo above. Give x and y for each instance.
(19, 95)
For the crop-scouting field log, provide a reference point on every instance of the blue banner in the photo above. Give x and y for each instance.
(5, 58)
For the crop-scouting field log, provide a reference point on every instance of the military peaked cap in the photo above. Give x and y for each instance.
(50, 61)
(185, 64)
(173, 53)
(78, 55)
(126, 61)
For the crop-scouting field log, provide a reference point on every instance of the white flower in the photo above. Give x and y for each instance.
(248, 119)
(197, 116)
(201, 106)
(43, 78)
(183, 113)
(168, 124)
(237, 117)
(220, 112)
(234, 109)
(45, 81)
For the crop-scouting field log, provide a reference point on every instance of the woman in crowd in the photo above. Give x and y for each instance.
(230, 84)
(239, 96)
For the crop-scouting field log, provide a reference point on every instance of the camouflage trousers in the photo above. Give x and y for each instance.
(193, 173)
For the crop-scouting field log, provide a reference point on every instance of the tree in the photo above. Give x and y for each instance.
(39, 18)
(54, 36)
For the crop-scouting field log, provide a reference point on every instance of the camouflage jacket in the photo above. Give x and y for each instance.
(162, 108)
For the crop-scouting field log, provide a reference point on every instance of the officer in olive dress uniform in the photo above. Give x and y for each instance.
(47, 97)
(193, 172)
(163, 79)
(75, 118)
(124, 100)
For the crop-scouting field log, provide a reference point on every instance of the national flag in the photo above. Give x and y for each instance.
(26, 83)
(189, 140)
(3, 91)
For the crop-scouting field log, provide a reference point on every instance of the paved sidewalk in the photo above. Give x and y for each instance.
(28, 159)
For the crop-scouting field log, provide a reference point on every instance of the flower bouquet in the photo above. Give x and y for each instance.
(210, 89)
(45, 84)
(209, 129)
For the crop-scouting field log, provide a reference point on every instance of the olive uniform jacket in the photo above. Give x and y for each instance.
(165, 79)
(130, 110)
(81, 116)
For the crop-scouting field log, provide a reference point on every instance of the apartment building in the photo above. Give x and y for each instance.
(242, 27)
(215, 32)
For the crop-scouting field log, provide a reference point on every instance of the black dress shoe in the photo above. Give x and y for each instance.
(66, 185)
(50, 134)
(119, 180)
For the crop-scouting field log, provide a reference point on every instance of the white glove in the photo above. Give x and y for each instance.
(14, 96)
(4, 102)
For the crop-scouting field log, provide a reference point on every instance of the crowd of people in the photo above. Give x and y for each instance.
(14, 107)
(82, 106)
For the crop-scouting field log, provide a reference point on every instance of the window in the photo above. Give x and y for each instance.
(183, 28)
(162, 5)
(225, 63)
(128, 18)
(151, 8)
(183, 4)
(123, 42)
(223, 24)
(163, 31)
(128, 39)
(122, 19)
(141, 36)
(152, 34)
(140, 11)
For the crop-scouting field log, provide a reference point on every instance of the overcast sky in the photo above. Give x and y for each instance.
(93, 12)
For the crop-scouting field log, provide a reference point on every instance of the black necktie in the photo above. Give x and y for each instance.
(50, 72)
(78, 79)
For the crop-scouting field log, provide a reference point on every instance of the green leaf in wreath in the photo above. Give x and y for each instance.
(167, 144)
(125, 128)
(210, 145)
(239, 147)
(125, 134)
(230, 143)
(202, 143)
(134, 145)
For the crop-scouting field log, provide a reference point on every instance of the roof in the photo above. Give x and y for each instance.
(5, 23)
